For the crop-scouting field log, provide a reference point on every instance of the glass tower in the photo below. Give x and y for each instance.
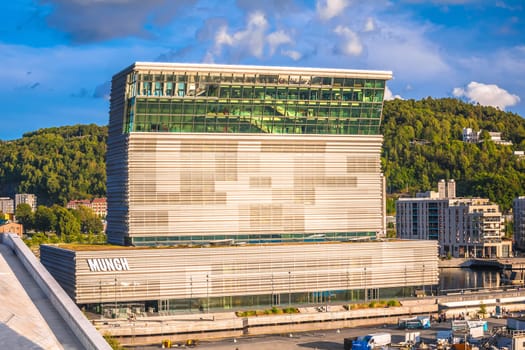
(217, 153)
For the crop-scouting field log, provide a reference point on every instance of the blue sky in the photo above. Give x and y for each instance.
(58, 56)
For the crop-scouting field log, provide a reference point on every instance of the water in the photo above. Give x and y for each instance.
(464, 279)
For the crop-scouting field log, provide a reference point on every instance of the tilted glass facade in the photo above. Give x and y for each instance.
(200, 154)
(251, 102)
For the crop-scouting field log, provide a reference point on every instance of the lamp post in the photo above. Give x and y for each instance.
(272, 297)
(423, 280)
(289, 288)
(191, 291)
(100, 297)
(207, 294)
(115, 296)
(366, 291)
(347, 285)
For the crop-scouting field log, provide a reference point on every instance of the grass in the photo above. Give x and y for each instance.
(273, 311)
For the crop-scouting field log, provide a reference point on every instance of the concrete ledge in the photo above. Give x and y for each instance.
(87, 335)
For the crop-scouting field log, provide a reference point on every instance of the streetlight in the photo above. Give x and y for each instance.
(272, 297)
(100, 297)
(289, 288)
(366, 292)
(191, 291)
(423, 280)
(207, 294)
(115, 296)
(347, 285)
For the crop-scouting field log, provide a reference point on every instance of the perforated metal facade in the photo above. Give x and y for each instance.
(305, 167)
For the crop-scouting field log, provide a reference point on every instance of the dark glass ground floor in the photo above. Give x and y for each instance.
(252, 302)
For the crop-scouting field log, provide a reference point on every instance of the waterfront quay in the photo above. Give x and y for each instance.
(515, 263)
(326, 339)
(226, 325)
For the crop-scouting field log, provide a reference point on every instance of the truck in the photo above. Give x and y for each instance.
(372, 341)
(417, 322)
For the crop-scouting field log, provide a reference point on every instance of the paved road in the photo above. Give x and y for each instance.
(321, 340)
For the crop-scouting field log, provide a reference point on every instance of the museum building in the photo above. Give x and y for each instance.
(233, 186)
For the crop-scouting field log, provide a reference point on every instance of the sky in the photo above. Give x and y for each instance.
(57, 57)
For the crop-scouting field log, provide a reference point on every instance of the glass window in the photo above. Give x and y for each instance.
(226, 78)
(293, 93)
(188, 108)
(270, 92)
(304, 94)
(200, 107)
(247, 92)
(159, 88)
(141, 106)
(176, 107)
(239, 78)
(326, 94)
(225, 91)
(236, 92)
(259, 92)
(169, 89)
(337, 94)
(153, 106)
(146, 88)
(181, 89)
(349, 82)
(165, 107)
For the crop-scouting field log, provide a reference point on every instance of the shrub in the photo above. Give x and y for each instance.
(393, 303)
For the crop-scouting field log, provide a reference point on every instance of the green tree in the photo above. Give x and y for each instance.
(25, 216)
(45, 219)
(66, 223)
(89, 221)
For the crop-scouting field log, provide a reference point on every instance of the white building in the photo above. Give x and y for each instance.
(464, 227)
(7, 205)
(263, 182)
(26, 198)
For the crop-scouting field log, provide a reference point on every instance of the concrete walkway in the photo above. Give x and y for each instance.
(27, 318)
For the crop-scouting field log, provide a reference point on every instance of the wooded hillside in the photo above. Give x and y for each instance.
(423, 144)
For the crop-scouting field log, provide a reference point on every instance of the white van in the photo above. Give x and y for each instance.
(371, 341)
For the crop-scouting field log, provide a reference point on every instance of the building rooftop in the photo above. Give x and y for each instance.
(28, 319)
(105, 247)
(372, 74)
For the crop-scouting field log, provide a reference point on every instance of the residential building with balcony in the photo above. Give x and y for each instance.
(463, 227)
(27, 198)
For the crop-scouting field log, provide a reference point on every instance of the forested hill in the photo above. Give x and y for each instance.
(56, 164)
(423, 143)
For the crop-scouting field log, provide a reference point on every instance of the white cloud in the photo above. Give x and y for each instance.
(222, 37)
(250, 40)
(487, 95)
(294, 55)
(402, 46)
(276, 39)
(352, 45)
(370, 25)
(327, 9)
(390, 96)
